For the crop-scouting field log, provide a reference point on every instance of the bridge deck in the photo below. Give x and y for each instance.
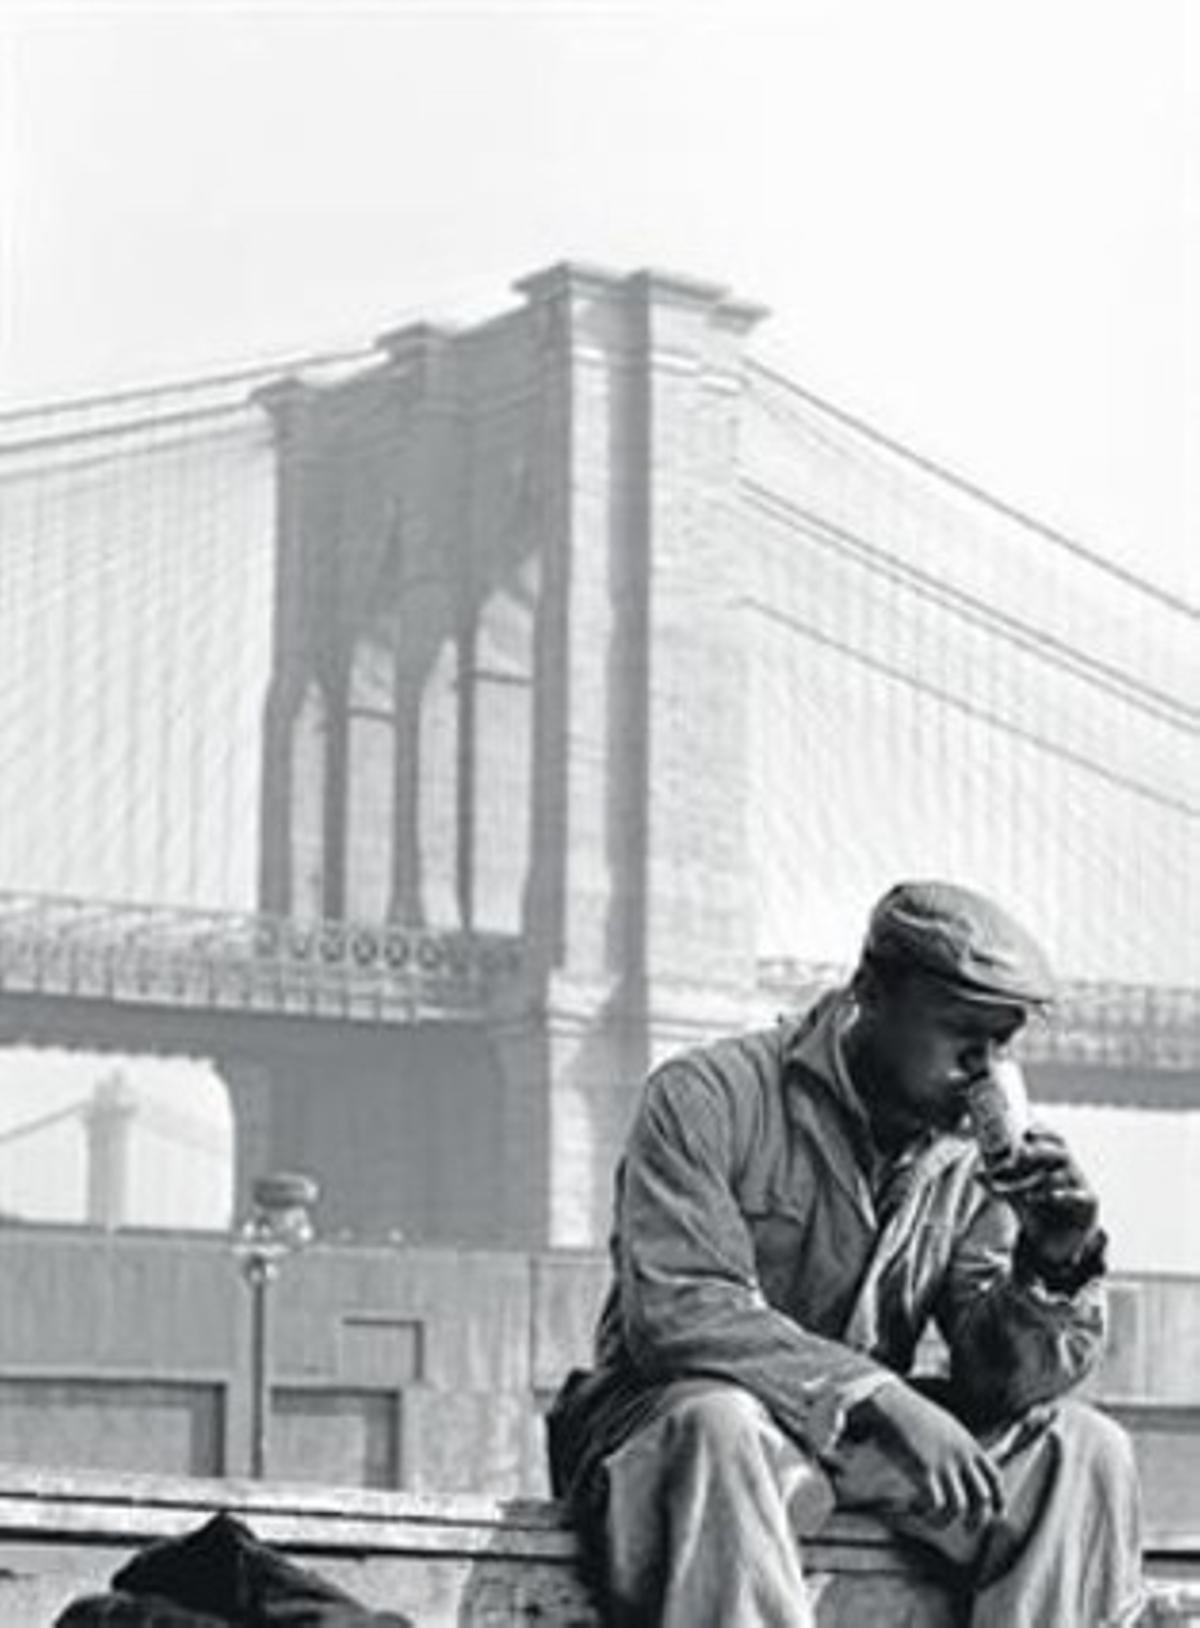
(387, 972)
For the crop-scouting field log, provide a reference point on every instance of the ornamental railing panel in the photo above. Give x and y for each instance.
(145, 954)
(394, 973)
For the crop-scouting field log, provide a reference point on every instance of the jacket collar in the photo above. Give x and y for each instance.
(813, 1048)
(812, 1045)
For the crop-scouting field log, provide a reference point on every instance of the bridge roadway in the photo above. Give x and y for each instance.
(63, 949)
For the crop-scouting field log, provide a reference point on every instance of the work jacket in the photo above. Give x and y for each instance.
(759, 1239)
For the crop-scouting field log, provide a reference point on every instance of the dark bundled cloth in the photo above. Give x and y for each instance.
(221, 1576)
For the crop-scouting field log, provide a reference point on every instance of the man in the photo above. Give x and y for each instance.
(793, 1208)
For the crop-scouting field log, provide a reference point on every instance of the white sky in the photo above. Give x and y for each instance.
(978, 223)
(180, 1171)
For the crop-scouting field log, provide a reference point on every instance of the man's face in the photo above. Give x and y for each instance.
(922, 1046)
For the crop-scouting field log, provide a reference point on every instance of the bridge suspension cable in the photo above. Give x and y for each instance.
(1026, 635)
(949, 698)
(320, 362)
(74, 1112)
(942, 684)
(775, 376)
(306, 362)
(55, 440)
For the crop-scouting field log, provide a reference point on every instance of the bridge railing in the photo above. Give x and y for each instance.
(148, 954)
(392, 972)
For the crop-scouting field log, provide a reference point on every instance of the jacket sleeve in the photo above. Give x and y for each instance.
(690, 1301)
(1012, 1342)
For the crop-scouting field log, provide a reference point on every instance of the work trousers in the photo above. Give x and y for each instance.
(708, 1504)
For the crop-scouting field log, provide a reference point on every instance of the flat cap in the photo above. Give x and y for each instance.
(963, 939)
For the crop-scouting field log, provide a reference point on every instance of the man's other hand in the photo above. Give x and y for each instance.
(950, 1477)
(1056, 1205)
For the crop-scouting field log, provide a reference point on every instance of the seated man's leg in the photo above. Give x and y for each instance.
(703, 1506)
(1066, 1552)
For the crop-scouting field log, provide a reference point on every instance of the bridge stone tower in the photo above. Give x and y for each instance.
(509, 696)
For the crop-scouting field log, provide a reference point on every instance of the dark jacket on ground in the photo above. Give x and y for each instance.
(221, 1576)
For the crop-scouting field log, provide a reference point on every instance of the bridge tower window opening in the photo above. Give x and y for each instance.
(496, 756)
(475, 774)
(307, 805)
(370, 816)
(466, 647)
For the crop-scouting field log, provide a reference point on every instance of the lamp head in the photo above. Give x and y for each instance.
(279, 1223)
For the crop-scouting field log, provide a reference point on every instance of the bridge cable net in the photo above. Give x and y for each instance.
(942, 686)
(136, 549)
(137, 553)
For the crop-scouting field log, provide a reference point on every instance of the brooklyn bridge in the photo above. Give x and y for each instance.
(433, 735)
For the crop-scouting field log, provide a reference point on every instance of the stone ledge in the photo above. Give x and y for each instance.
(449, 1560)
(458, 1560)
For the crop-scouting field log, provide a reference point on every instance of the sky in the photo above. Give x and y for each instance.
(179, 1169)
(977, 224)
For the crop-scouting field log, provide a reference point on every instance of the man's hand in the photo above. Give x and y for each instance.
(950, 1476)
(1056, 1205)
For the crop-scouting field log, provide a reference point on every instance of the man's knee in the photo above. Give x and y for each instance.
(721, 1419)
(1095, 1444)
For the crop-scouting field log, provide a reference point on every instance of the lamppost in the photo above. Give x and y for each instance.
(279, 1224)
